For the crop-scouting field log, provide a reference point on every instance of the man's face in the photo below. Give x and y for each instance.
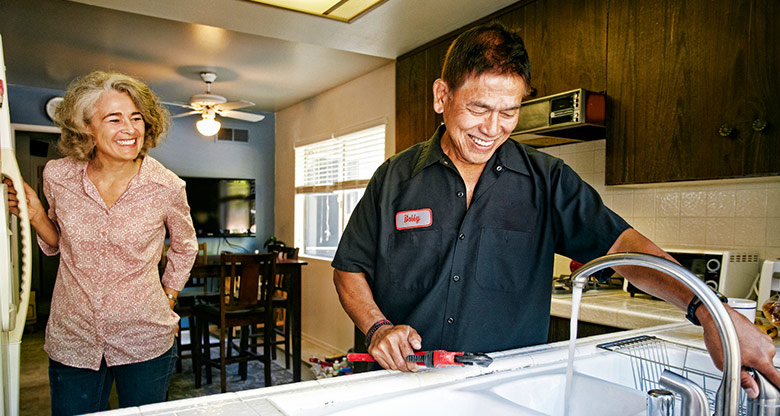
(479, 115)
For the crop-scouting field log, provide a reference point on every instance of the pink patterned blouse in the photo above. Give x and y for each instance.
(108, 300)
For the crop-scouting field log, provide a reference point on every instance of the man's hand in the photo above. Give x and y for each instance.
(391, 344)
(756, 349)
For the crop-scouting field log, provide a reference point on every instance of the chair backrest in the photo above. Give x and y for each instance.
(202, 257)
(287, 252)
(247, 280)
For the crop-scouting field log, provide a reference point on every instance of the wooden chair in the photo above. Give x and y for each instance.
(282, 305)
(245, 294)
(184, 308)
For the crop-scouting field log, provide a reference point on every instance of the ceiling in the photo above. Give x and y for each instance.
(270, 56)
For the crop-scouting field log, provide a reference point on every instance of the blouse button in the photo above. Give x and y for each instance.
(460, 194)
(450, 320)
(456, 278)
(499, 168)
(462, 236)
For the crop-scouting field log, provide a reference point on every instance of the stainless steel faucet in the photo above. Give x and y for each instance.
(727, 398)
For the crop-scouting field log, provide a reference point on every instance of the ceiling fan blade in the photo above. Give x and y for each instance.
(188, 113)
(234, 105)
(242, 115)
(171, 103)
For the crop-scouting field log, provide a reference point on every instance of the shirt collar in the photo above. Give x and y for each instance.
(149, 172)
(511, 154)
(430, 151)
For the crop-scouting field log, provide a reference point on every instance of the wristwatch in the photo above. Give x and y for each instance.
(696, 302)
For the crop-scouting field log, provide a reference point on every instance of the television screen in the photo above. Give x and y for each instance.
(222, 207)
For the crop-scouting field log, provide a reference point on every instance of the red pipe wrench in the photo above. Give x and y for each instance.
(435, 358)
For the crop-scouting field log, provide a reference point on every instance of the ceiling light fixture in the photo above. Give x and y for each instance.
(342, 10)
(208, 126)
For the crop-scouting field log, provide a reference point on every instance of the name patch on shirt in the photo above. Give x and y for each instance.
(414, 219)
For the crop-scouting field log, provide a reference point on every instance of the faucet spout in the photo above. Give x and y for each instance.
(727, 398)
(694, 400)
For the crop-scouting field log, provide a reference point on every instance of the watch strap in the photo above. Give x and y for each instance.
(694, 304)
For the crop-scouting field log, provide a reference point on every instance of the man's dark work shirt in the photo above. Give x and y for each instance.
(476, 279)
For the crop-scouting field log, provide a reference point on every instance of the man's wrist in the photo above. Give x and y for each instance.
(694, 305)
(372, 330)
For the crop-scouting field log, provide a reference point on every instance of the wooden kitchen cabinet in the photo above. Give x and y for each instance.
(414, 75)
(680, 75)
(567, 44)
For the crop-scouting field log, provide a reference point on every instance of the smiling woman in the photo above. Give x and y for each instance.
(110, 204)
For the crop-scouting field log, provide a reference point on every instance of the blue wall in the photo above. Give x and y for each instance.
(187, 153)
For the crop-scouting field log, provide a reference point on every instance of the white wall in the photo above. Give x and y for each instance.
(735, 214)
(370, 98)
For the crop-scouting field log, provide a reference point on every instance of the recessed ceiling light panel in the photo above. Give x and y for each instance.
(342, 10)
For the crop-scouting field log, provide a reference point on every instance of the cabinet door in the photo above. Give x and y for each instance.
(679, 71)
(567, 44)
(415, 120)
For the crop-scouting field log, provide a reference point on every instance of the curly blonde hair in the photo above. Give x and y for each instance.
(78, 106)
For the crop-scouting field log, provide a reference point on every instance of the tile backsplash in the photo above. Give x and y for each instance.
(724, 214)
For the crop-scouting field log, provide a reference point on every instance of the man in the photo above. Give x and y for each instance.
(452, 245)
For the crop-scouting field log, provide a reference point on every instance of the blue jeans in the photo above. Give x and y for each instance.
(76, 391)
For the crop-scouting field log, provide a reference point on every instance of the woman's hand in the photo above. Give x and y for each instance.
(46, 230)
(34, 206)
(172, 302)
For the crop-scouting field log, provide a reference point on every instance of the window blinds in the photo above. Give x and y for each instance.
(344, 162)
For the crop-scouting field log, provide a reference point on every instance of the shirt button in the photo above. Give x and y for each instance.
(462, 236)
(499, 168)
(445, 162)
(456, 278)
(460, 194)
(450, 320)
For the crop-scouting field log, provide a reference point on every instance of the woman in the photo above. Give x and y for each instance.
(109, 205)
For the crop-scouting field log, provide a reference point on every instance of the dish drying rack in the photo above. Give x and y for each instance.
(650, 356)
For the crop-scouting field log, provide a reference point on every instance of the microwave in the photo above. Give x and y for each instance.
(729, 272)
(567, 117)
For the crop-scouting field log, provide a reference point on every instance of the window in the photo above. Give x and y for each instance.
(330, 178)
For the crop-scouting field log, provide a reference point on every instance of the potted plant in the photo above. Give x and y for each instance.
(273, 244)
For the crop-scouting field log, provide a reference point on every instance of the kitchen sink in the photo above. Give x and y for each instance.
(606, 382)
(602, 386)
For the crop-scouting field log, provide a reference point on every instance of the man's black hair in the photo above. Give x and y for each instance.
(491, 48)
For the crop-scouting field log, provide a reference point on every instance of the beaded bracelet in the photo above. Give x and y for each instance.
(374, 328)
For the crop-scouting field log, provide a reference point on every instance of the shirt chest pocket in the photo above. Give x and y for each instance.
(502, 259)
(414, 258)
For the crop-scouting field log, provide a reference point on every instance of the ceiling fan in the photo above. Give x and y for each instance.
(208, 105)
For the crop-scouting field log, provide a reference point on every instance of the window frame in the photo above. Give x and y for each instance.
(354, 168)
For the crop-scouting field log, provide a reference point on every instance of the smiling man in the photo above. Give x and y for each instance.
(452, 245)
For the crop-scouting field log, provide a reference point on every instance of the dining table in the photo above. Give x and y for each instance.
(292, 267)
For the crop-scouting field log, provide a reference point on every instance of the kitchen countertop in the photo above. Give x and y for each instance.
(616, 308)
(352, 393)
